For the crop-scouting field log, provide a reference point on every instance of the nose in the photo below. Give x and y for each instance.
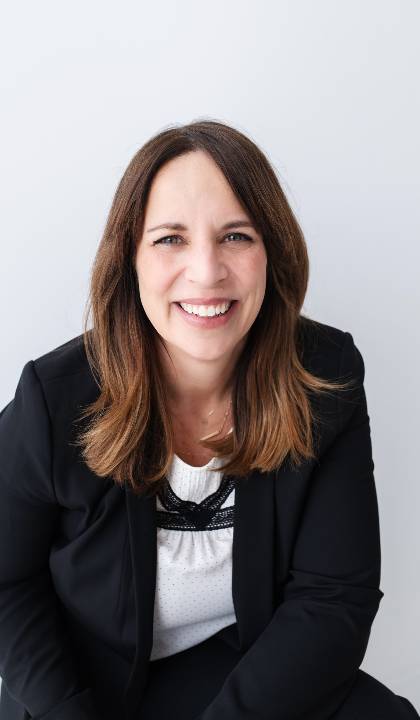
(205, 265)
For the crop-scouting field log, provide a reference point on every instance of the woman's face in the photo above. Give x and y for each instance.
(203, 260)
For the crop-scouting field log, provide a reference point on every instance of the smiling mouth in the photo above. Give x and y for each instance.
(208, 321)
(205, 315)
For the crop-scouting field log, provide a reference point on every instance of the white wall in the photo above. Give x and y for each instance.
(329, 90)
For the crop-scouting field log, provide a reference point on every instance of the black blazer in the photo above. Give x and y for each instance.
(78, 560)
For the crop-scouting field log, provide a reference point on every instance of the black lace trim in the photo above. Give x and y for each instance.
(189, 515)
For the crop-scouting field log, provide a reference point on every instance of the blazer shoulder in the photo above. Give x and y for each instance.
(66, 359)
(320, 345)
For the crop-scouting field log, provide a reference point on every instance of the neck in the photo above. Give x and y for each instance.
(196, 387)
(199, 405)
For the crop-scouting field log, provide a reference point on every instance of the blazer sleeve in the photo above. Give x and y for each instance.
(305, 662)
(36, 662)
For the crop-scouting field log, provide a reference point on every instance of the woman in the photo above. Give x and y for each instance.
(189, 521)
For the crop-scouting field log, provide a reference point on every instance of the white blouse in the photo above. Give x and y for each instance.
(193, 597)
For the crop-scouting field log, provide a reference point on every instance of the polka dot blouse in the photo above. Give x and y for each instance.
(193, 597)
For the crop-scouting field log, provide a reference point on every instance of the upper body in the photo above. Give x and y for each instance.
(190, 337)
(78, 559)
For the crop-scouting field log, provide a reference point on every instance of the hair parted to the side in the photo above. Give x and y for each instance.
(129, 434)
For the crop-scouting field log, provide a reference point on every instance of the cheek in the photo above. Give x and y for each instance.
(253, 270)
(153, 279)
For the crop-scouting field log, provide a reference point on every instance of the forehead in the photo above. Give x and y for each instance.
(191, 184)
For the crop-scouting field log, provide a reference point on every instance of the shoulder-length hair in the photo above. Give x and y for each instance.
(129, 436)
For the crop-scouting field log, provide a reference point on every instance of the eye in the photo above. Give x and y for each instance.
(240, 236)
(168, 237)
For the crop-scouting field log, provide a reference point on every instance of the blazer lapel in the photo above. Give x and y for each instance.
(253, 586)
(142, 533)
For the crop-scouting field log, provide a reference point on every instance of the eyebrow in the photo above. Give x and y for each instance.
(180, 226)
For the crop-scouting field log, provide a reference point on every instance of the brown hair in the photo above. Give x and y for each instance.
(129, 437)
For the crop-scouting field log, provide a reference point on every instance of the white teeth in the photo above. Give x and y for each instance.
(206, 310)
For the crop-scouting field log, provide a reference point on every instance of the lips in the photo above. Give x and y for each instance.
(205, 321)
(205, 301)
(231, 302)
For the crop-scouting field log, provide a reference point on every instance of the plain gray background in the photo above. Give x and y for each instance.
(330, 91)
